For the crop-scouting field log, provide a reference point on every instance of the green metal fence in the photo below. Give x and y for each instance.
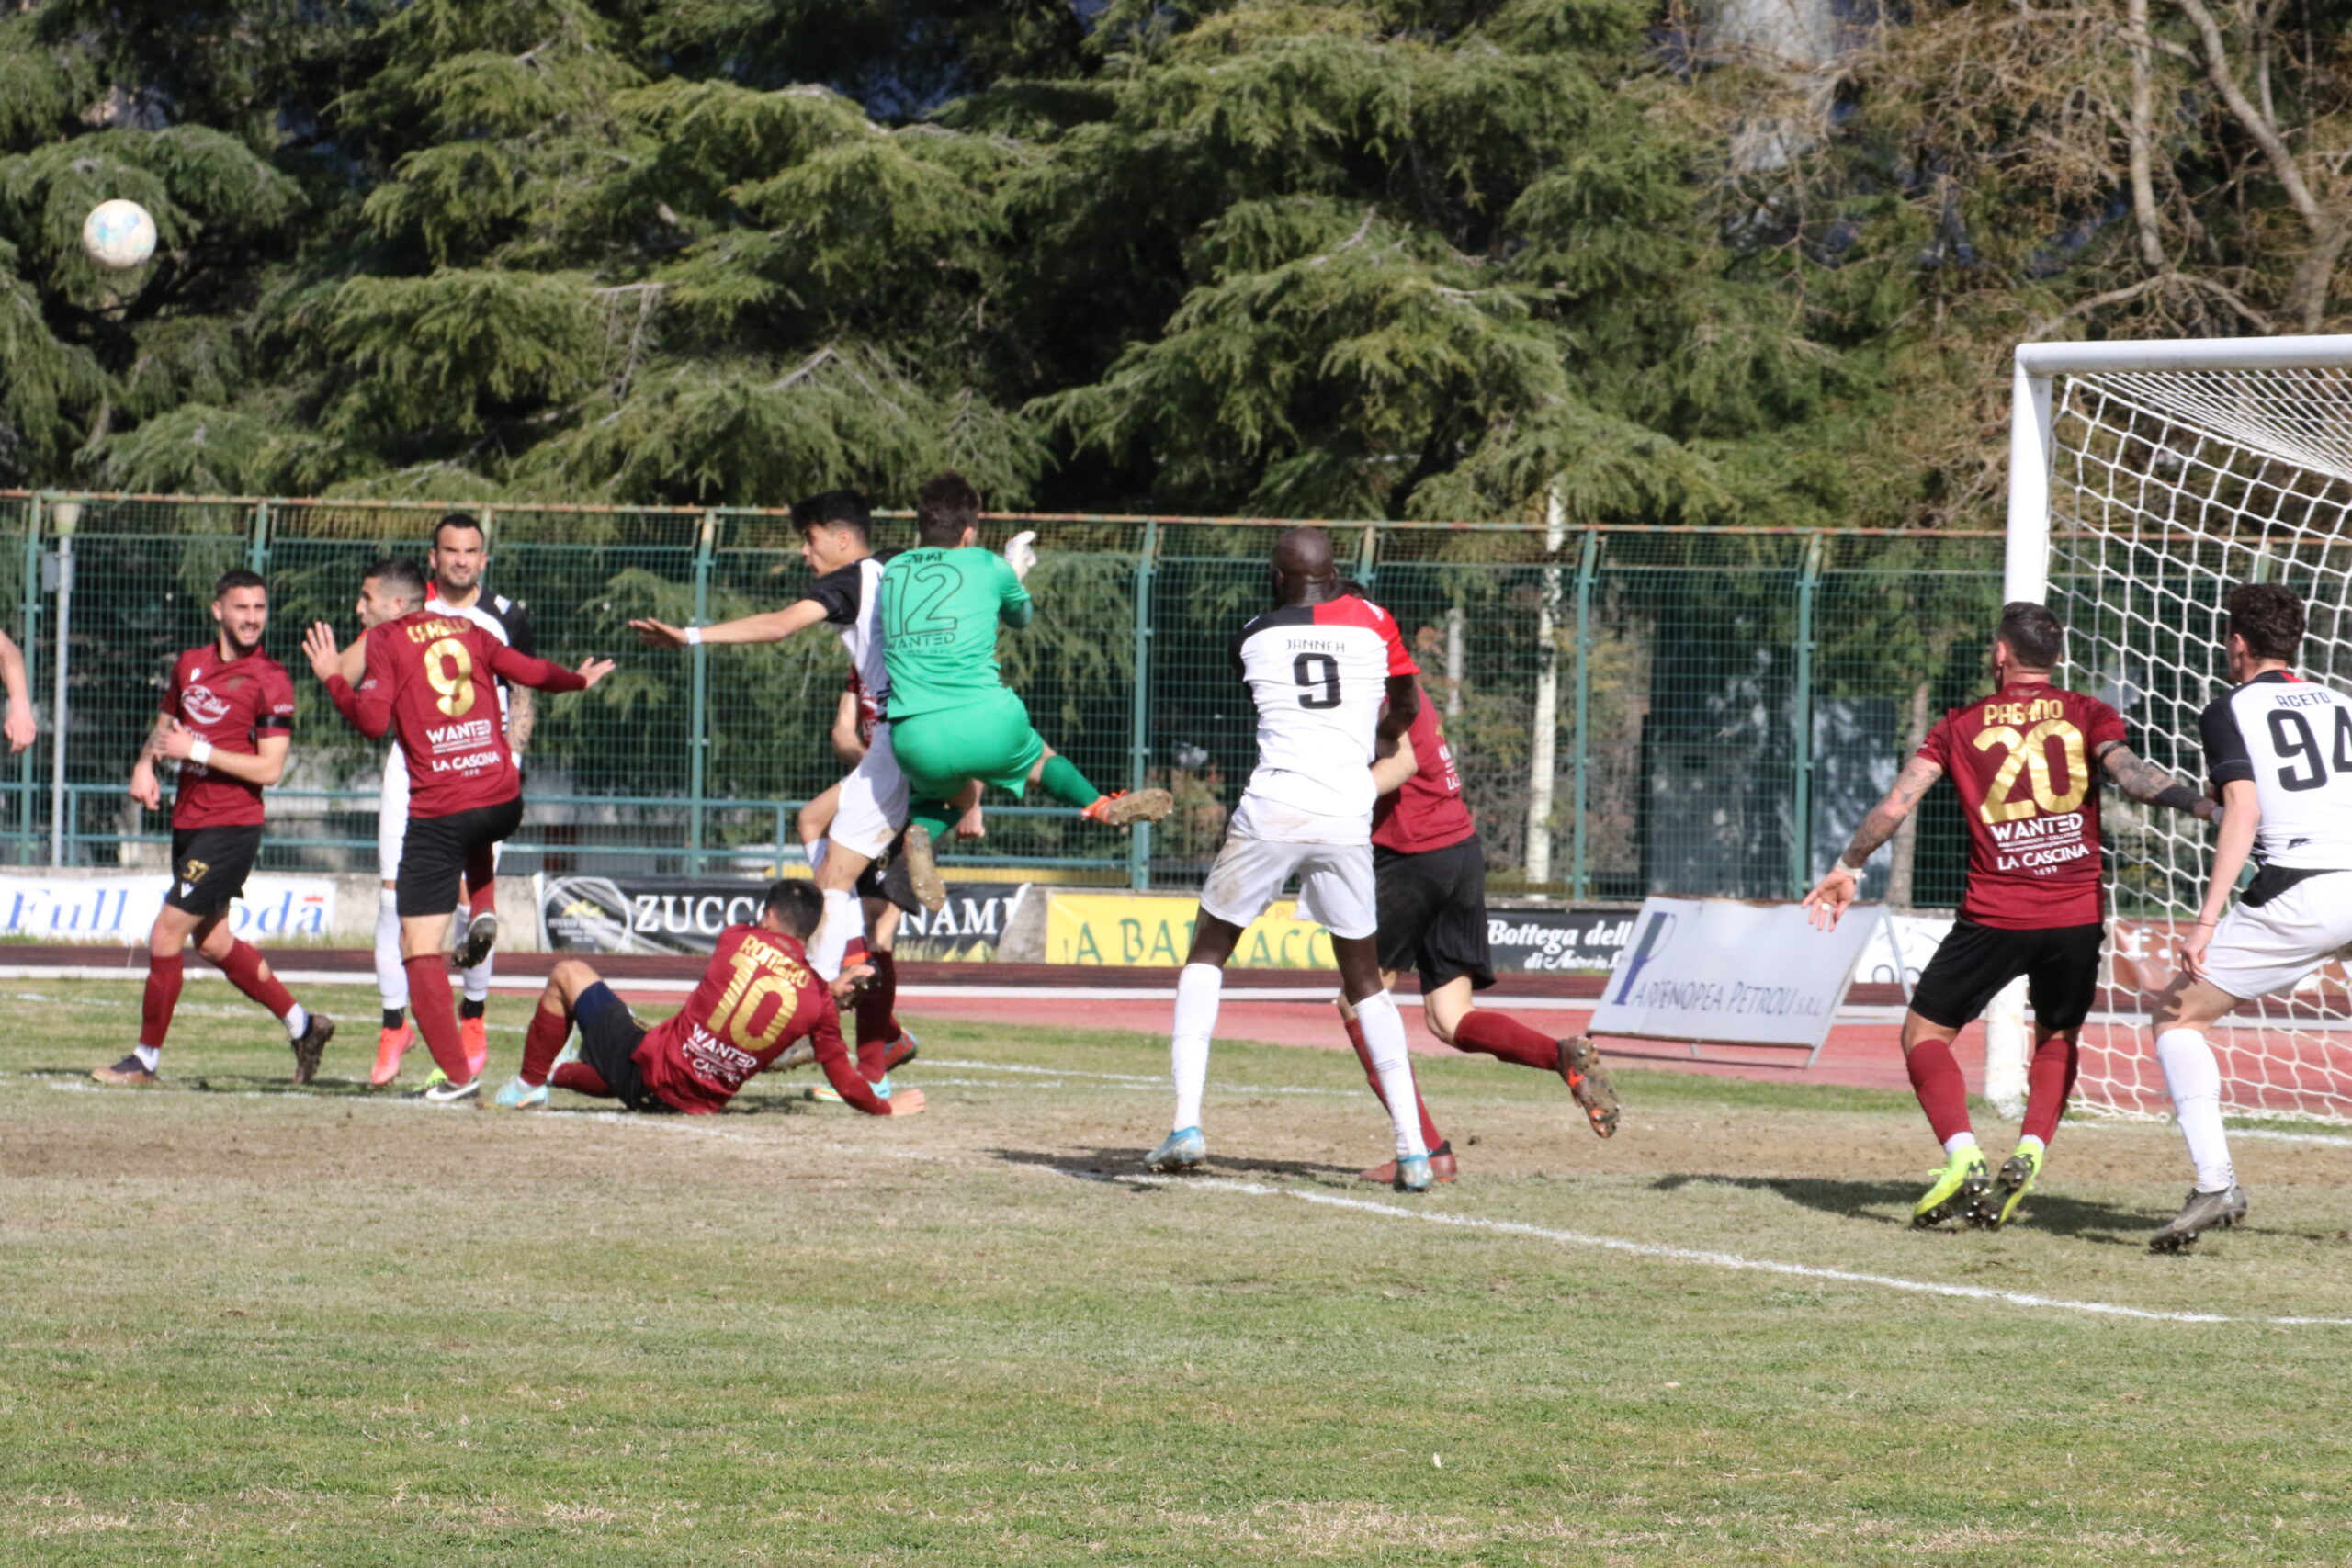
(1688, 711)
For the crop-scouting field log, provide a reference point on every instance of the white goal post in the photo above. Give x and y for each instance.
(2146, 479)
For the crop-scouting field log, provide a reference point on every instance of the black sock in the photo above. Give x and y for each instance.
(392, 1017)
(469, 1008)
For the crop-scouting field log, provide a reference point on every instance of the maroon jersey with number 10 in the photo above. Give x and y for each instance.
(431, 678)
(757, 996)
(231, 702)
(2024, 761)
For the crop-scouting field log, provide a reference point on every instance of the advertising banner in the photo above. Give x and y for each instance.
(1556, 941)
(1155, 931)
(1733, 973)
(669, 914)
(120, 908)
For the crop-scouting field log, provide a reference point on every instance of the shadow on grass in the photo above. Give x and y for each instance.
(1129, 1161)
(1889, 1203)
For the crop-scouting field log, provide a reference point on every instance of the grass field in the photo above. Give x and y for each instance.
(249, 1325)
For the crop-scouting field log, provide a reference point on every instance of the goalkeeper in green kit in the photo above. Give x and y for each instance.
(953, 720)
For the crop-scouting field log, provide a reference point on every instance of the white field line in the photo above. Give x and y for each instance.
(1731, 1260)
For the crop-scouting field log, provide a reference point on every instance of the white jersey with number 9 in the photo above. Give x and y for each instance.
(1318, 674)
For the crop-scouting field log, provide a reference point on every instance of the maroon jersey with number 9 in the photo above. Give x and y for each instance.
(2023, 761)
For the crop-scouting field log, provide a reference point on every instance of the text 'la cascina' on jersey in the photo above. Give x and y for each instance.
(1318, 674)
(2022, 760)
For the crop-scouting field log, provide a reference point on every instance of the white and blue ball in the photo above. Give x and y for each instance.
(119, 235)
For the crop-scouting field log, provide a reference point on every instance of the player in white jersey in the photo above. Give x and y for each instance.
(2279, 750)
(454, 563)
(1333, 681)
(836, 531)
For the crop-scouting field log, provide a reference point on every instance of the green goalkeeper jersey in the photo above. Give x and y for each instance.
(940, 612)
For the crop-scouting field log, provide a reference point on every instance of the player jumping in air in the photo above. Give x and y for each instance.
(1430, 872)
(228, 720)
(453, 565)
(758, 996)
(2279, 749)
(2022, 761)
(953, 720)
(1318, 667)
(431, 679)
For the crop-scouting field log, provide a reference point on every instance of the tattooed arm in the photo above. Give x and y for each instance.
(2142, 781)
(1837, 887)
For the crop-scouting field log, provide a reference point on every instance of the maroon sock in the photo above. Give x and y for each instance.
(1507, 1039)
(162, 994)
(582, 1078)
(542, 1043)
(481, 880)
(875, 1032)
(436, 1015)
(1430, 1136)
(1943, 1093)
(243, 966)
(2048, 1083)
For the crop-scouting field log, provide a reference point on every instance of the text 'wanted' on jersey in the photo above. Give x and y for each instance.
(1320, 676)
(2024, 762)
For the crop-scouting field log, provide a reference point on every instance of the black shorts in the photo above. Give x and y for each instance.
(435, 852)
(2060, 965)
(208, 866)
(1434, 913)
(608, 1037)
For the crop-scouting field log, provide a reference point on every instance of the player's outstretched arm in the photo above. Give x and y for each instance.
(20, 727)
(2232, 846)
(368, 708)
(1838, 889)
(2142, 781)
(772, 626)
(526, 670)
(264, 766)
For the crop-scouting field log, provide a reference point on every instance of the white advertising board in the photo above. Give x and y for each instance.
(120, 908)
(1721, 971)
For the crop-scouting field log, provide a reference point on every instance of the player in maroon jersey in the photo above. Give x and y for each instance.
(228, 720)
(758, 996)
(2022, 760)
(432, 678)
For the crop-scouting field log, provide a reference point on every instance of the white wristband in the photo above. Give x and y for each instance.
(693, 637)
(200, 753)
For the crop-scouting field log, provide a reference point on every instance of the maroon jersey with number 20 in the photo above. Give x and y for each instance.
(757, 996)
(430, 679)
(2022, 761)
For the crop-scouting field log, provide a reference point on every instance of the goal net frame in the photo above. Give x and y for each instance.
(2143, 478)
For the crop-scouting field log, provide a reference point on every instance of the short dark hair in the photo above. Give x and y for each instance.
(797, 907)
(237, 577)
(945, 507)
(1349, 585)
(2269, 615)
(402, 576)
(458, 520)
(2037, 638)
(835, 508)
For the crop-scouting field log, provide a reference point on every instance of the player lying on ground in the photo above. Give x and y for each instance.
(758, 996)
(430, 678)
(1430, 874)
(2021, 760)
(1318, 667)
(953, 720)
(2280, 750)
(228, 721)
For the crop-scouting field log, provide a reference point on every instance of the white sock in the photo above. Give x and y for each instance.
(2037, 1142)
(1198, 989)
(1958, 1142)
(1384, 1040)
(2194, 1080)
(476, 980)
(296, 1021)
(845, 918)
(150, 1056)
(391, 976)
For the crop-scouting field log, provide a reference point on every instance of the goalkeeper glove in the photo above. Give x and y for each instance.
(1021, 553)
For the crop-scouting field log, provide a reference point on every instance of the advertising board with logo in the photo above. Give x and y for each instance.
(1547, 941)
(121, 907)
(1720, 970)
(605, 914)
(1150, 930)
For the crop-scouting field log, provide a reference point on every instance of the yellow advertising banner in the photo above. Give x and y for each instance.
(1155, 932)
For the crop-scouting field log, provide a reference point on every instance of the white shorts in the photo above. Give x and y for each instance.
(2258, 951)
(391, 818)
(873, 800)
(1335, 881)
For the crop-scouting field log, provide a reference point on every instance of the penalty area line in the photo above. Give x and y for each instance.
(1730, 1260)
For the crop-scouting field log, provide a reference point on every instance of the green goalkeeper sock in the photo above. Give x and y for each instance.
(1065, 784)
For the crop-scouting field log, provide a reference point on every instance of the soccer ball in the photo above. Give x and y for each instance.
(118, 234)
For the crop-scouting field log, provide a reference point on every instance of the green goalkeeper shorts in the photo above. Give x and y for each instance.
(990, 740)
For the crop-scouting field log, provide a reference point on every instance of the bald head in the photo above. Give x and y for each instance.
(1304, 570)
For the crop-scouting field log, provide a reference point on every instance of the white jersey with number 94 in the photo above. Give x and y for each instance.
(2292, 740)
(1318, 674)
